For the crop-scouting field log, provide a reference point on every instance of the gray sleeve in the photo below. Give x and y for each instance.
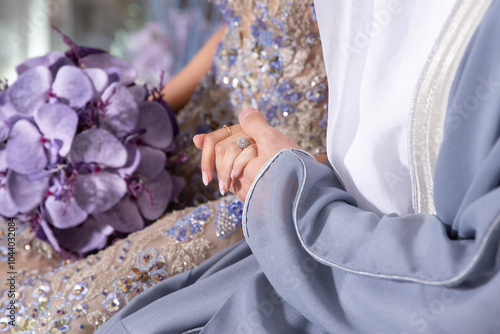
(294, 192)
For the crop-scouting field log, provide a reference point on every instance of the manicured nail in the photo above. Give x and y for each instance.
(245, 113)
(221, 188)
(204, 176)
(233, 173)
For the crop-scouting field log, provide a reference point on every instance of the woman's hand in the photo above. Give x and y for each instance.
(221, 150)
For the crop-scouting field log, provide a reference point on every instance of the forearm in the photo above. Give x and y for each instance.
(180, 88)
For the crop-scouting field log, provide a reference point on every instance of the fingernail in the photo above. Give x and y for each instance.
(245, 113)
(221, 188)
(233, 174)
(204, 176)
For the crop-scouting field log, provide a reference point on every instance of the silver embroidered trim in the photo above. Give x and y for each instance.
(431, 99)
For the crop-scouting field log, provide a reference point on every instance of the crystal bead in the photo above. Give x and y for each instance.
(77, 289)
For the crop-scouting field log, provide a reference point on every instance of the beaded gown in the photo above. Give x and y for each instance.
(270, 58)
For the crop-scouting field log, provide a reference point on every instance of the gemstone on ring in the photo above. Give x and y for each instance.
(243, 142)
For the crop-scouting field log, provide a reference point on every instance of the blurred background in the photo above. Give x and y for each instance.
(154, 35)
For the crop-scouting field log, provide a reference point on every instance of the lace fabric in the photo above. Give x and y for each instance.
(83, 294)
(270, 59)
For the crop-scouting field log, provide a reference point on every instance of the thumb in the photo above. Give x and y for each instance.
(252, 122)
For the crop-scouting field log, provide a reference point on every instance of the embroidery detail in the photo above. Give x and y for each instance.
(187, 227)
(86, 300)
(228, 217)
(79, 311)
(78, 291)
(47, 315)
(113, 303)
(150, 270)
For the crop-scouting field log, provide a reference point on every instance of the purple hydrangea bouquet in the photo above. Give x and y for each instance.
(82, 149)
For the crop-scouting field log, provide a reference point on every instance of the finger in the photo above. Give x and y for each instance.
(240, 187)
(208, 152)
(254, 124)
(198, 140)
(269, 140)
(242, 160)
(226, 152)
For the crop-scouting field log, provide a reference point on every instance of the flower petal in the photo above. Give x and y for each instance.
(121, 111)
(98, 146)
(4, 125)
(140, 93)
(3, 158)
(57, 121)
(9, 112)
(160, 190)
(53, 60)
(73, 85)
(30, 91)
(152, 162)
(50, 235)
(98, 192)
(32, 62)
(26, 192)
(133, 160)
(62, 215)
(25, 152)
(84, 237)
(123, 217)
(154, 119)
(99, 79)
(58, 63)
(7, 206)
(178, 183)
(109, 63)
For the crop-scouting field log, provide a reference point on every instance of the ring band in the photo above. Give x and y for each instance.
(243, 142)
(228, 129)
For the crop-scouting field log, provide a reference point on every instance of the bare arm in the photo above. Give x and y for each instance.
(178, 90)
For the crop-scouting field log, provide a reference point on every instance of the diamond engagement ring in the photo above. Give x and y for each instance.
(243, 142)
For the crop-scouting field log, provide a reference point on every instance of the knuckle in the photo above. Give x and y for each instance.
(219, 148)
(210, 139)
(234, 149)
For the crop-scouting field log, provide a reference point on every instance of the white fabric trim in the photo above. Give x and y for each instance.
(431, 100)
(370, 104)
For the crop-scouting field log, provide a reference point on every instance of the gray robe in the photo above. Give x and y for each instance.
(313, 262)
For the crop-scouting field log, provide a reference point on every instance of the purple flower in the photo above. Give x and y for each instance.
(82, 154)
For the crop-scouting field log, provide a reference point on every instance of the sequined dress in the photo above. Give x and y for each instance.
(269, 58)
